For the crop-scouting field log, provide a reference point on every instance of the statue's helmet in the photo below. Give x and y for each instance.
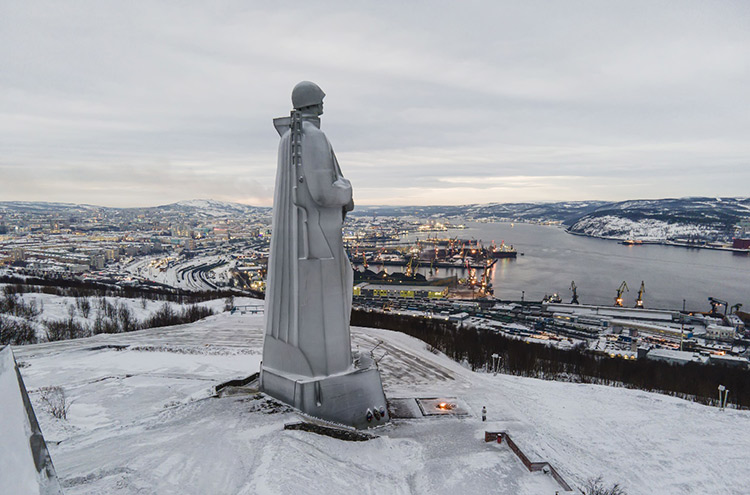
(307, 94)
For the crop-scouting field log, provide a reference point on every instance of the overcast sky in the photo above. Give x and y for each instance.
(146, 103)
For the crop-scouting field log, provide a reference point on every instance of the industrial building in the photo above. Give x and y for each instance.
(720, 332)
(401, 291)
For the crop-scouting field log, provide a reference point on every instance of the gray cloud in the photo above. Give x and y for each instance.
(142, 103)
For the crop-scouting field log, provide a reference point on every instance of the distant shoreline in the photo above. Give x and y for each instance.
(662, 242)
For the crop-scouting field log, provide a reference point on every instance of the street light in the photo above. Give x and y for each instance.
(723, 403)
(682, 323)
(495, 363)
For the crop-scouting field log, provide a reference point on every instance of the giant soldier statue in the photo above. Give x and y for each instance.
(307, 356)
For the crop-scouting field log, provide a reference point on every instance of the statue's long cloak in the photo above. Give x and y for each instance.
(309, 282)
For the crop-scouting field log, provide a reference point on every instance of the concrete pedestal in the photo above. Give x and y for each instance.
(353, 398)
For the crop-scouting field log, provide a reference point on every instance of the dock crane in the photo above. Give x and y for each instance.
(736, 307)
(575, 293)
(412, 266)
(623, 287)
(715, 304)
(639, 301)
(486, 285)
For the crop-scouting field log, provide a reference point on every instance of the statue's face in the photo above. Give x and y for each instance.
(314, 109)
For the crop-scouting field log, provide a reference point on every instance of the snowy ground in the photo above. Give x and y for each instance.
(142, 421)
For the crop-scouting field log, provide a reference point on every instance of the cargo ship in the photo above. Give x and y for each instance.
(503, 251)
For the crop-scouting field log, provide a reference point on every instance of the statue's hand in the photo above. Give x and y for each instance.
(342, 183)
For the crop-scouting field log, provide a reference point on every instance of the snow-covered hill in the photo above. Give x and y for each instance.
(212, 208)
(656, 219)
(206, 208)
(563, 211)
(143, 420)
(45, 207)
(665, 219)
(611, 226)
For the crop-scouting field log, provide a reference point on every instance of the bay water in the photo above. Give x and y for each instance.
(549, 259)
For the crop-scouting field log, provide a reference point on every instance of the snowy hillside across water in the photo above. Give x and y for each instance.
(144, 419)
(665, 219)
(614, 227)
(656, 220)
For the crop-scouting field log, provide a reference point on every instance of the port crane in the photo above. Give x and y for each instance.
(412, 266)
(715, 305)
(736, 308)
(623, 287)
(486, 286)
(639, 301)
(575, 293)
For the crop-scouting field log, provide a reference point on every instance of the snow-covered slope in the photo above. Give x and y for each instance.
(615, 227)
(142, 421)
(664, 219)
(53, 308)
(562, 211)
(206, 208)
(45, 207)
(652, 219)
(212, 208)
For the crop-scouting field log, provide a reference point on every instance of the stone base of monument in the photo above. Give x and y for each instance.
(23, 450)
(353, 398)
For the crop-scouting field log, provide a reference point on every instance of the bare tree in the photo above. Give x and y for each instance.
(84, 306)
(16, 332)
(55, 402)
(229, 303)
(128, 323)
(595, 486)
